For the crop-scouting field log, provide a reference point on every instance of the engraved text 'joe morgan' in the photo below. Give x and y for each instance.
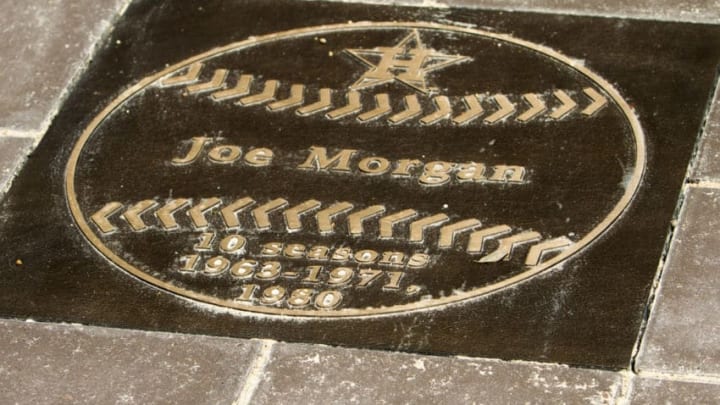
(406, 191)
(435, 173)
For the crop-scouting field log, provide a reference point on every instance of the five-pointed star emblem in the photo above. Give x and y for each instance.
(408, 62)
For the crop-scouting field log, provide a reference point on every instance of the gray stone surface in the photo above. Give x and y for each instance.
(706, 11)
(707, 166)
(652, 391)
(66, 364)
(12, 154)
(683, 333)
(323, 375)
(45, 44)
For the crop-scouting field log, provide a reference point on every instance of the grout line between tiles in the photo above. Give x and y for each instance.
(14, 133)
(705, 184)
(688, 378)
(254, 377)
(626, 388)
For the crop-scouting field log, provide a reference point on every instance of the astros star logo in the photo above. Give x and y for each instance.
(407, 62)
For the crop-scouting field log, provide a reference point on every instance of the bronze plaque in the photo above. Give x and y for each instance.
(316, 171)
(455, 181)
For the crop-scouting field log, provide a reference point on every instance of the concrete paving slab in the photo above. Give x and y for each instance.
(683, 333)
(51, 363)
(321, 374)
(656, 391)
(585, 313)
(12, 154)
(45, 45)
(69, 364)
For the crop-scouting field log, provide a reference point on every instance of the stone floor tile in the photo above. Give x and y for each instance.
(683, 334)
(90, 179)
(708, 158)
(68, 364)
(45, 44)
(321, 374)
(652, 391)
(12, 153)
(707, 11)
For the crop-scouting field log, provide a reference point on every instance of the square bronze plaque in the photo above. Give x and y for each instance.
(439, 181)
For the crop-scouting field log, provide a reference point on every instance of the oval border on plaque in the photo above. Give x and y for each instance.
(632, 184)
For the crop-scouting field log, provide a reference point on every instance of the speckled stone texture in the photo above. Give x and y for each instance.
(12, 153)
(67, 364)
(683, 334)
(651, 391)
(47, 44)
(44, 46)
(325, 375)
(588, 314)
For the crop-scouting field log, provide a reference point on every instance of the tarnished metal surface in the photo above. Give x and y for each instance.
(430, 176)
(455, 181)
